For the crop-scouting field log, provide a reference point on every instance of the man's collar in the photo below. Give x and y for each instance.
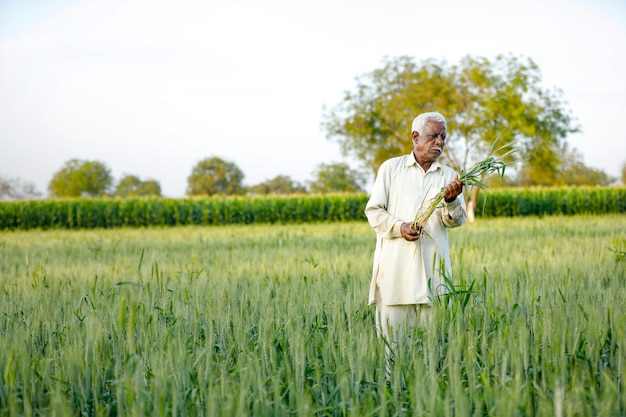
(410, 160)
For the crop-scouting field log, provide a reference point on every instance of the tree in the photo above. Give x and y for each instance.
(336, 177)
(132, 186)
(574, 172)
(16, 189)
(213, 176)
(79, 178)
(624, 173)
(280, 184)
(481, 100)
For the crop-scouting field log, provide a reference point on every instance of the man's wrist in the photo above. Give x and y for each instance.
(397, 229)
(453, 202)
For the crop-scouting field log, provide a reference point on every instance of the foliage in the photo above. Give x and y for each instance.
(579, 174)
(543, 201)
(214, 176)
(573, 171)
(481, 100)
(132, 186)
(197, 321)
(80, 178)
(279, 185)
(619, 250)
(140, 212)
(16, 189)
(336, 177)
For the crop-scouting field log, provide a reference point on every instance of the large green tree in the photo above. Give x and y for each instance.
(481, 99)
(133, 186)
(214, 175)
(280, 184)
(336, 177)
(80, 178)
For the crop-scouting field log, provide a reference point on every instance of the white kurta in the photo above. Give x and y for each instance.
(410, 272)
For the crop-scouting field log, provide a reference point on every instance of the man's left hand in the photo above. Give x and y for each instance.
(453, 189)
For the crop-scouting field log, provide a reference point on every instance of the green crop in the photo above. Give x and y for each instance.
(272, 320)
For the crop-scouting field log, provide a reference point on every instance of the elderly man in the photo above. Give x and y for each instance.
(407, 271)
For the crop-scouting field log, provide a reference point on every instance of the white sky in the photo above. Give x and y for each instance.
(150, 87)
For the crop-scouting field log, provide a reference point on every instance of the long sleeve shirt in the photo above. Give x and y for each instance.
(411, 272)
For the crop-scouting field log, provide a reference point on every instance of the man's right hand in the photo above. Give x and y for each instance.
(409, 233)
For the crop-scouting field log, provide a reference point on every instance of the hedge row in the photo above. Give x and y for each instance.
(138, 212)
(111, 213)
(551, 201)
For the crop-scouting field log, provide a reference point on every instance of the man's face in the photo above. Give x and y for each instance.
(430, 143)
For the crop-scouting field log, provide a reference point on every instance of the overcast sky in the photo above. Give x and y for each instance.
(151, 87)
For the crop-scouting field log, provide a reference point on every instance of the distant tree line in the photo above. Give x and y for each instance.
(216, 176)
(210, 176)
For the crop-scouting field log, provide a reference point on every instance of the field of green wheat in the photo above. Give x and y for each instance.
(272, 320)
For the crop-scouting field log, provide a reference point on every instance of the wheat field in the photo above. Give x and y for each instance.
(273, 320)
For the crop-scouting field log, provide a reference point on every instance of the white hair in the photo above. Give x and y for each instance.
(420, 121)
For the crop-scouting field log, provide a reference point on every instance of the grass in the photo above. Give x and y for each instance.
(272, 320)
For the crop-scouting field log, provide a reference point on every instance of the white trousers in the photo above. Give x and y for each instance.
(393, 321)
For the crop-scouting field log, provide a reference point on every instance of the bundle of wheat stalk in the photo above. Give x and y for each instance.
(471, 178)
